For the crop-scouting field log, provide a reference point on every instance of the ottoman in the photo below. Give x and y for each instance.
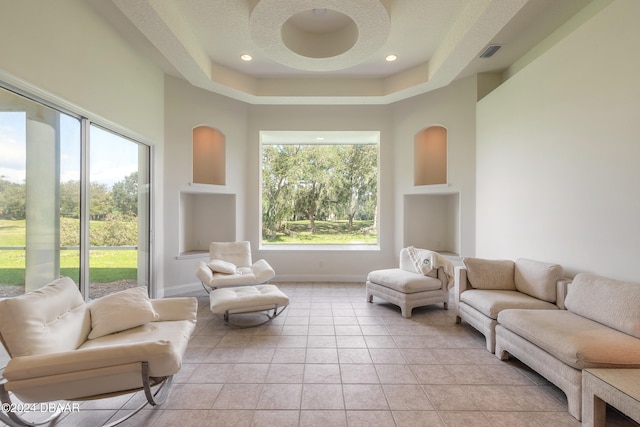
(248, 299)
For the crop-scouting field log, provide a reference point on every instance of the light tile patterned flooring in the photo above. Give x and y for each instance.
(332, 359)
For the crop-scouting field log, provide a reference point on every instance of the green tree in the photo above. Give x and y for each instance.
(312, 175)
(317, 182)
(356, 181)
(277, 206)
(125, 195)
(13, 199)
(70, 199)
(101, 202)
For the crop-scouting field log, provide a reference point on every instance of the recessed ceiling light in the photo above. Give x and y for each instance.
(391, 58)
(246, 57)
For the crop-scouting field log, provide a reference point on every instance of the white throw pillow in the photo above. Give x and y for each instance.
(220, 266)
(121, 311)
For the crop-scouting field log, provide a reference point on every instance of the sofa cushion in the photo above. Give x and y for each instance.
(51, 319)
(120, 311)
(490, 274)
(538, 279)
(403, 281)
(576, 341)
(491, 302)
(611, 302)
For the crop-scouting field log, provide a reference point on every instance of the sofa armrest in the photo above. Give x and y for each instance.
(41, 365)
(183, 308)
(461, 283)
(562, 287)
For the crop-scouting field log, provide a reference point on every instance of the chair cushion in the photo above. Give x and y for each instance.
(538, 279)
(492, 302)
(403, 281)
(490, 274)
(221, 266)
(611, 302)
(238, 253)
(172, 336)
(247, 298)
(51, 319)
(120, 311)
(576, 341)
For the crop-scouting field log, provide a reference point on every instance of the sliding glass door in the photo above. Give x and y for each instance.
(74, 201)
(118, 213)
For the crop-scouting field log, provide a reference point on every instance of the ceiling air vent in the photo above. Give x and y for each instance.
(490, 50)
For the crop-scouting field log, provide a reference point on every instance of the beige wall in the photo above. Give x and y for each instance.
(558, 150)
(452, 107)
(66, 50)
(188, 107)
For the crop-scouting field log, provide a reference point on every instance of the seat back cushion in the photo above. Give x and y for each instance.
(51, 319)
(611, 302)
(490, 274)
(237, 253)
(537, 279)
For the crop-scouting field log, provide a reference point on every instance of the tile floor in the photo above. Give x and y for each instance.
(332, 359)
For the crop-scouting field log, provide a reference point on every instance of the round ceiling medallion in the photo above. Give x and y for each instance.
(319, 35)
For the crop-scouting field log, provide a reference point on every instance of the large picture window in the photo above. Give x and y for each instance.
(319, 188)
(74, 201)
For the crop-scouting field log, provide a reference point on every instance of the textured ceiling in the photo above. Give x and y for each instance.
(332, 51)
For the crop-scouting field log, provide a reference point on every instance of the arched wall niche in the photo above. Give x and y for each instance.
(430, 156)
(209, 160)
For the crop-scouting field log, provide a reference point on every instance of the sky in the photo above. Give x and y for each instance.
(112, 156)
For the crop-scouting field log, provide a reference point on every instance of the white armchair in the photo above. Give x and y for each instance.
(63, 348)
(230, 265)
(409, 286)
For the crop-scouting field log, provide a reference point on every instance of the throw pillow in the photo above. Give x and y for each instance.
(121, 311)
(220, 266)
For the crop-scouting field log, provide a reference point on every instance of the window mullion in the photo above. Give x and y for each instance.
(85, 212)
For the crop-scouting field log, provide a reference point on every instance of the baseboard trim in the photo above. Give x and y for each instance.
(187, 288)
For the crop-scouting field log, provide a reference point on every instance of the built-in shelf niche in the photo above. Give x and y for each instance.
(430, 156)
(209, 161)
(432, 221)
(204, 218)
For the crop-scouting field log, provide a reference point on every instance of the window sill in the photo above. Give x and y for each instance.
(324, 248)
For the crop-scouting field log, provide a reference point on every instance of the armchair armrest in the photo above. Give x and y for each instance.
(204, 273)
(41, 365)
(183, 308)
(262, 270)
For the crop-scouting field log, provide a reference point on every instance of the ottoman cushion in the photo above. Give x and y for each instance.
(245, 299)
(403, 281)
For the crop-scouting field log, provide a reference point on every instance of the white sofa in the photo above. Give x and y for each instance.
(63, 348)
(600, 328)
(483, 288)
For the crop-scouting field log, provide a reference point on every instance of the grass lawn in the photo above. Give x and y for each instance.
(327, 233)
(105, 265)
